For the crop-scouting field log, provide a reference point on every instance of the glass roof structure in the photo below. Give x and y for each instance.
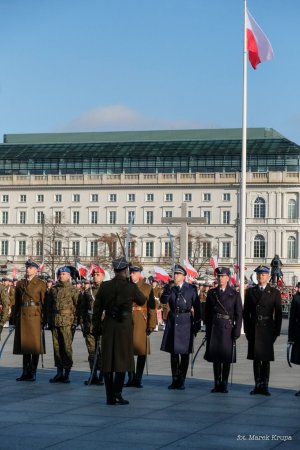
(150, 151)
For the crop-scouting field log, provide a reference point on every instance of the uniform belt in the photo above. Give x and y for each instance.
(139, 308)
(182, 311)
(259, 317)
(114, 315)
(223, 316)
(64, 311)
(30, 303)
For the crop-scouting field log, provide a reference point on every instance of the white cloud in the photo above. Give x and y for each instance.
(121, 117)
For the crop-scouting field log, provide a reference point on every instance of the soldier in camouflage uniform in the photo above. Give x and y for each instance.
(4, 307)
(62, 320)
(86, 314)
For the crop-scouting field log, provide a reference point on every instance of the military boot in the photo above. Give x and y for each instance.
(108, 381)
(119, 400)
(257, 387)
(58, 378)
(217, 378)
(32, 368)
(140, 365)
(23, 376)
(225, 375)
(66, 377)
(131, 380)
(257, 378)
(265, 378)
(175, 371)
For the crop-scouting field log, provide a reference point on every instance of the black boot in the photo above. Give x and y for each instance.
(119, 400)
(108, 381)
(26, 367)
(217, 377)
(131, 380)
(100, 379)
(257, 378)
(183, 368)
(297, 394)
(23, 376)
(140, 365)
(66, 377)
(117, 388)
(225, 375)
(33, 366)
(265, 375)
(175, 371)
(58, 378)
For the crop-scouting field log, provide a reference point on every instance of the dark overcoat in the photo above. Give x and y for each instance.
(117, 334)
(262, 321)
(144, 318)
(221, 332)
(28, 319)
(183, 320)
(294, 328)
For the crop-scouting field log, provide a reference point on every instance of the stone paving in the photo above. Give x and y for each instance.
(41, 415)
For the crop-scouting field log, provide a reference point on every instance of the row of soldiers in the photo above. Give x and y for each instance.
(124, 314)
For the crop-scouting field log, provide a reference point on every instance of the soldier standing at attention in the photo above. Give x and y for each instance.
(62, 320)
(115, 298)
(224, 317)
(86, 314)
(294, 329)
(4, 307)
(29, 320)
(262, 324)
(144, 321)
(183, 322)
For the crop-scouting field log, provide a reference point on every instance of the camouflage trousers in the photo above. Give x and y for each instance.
(62, 346)
(91, 345)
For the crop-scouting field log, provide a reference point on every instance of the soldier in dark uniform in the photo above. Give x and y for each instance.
(224, 317)
(86, 314)
(183, 322)
(262, 324)
(62, 321)
(144, 321)
(294, 329)
(115, 298)
(4, 307)
(29, 318)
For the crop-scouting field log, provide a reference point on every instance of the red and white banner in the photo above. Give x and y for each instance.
(258, 45)
(190, 270)
(83, 270)
(214, 263)
(161, 274)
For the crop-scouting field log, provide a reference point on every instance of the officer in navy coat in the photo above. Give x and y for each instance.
(224, 317)
(262, 324)
(183, 322)
(294, 329)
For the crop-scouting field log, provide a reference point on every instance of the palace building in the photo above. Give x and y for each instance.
(67, 196)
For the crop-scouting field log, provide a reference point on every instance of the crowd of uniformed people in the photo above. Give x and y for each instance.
(117, 317)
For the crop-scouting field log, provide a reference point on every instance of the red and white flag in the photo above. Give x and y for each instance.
(161, 274)
(190, 270)
(214, 263)
(83, 270)
(258, 45)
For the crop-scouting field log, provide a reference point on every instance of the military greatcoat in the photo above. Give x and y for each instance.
(144, 318)
(262, 321)
(116, 297)
(224, 317)
(4, 305)
(183, 320)
(294, 328)
(29, 315)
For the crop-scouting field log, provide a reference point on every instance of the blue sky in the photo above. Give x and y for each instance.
(97, 65)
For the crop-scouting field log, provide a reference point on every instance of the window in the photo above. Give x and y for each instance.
(167, 249)
(168, 213)
(149, 217)
(189, 214)
(207, 215)
(149, 249)
(23, 198)
(76, 198)
(206, 249)
(149, 197)
(130, 217)
(94, 248)
(112, 217)
(22, 248)
(259, 246)
(292, 209)
(190, 249)
(57, 216)
(22, 217)
(131, 249)
(112, 197)
(75, 217)
(57, 248)
(226, 217)
(4, 248)
(75, 248)
(5, 217)
(39, 248)
(168, 197)
(131, 197)
(206, 197)
(94, 217)
(94, 198)
(291, 248)
(58, 198)
(226, 197)
(39, 217)
(225, 249)
(112, 249)
(40, 198)
(259, 208)
(187, 197)
(5, 198)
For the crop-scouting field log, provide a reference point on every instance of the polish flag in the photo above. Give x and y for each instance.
(258, 45)
(161, 275)
(41, 267)
(83, 270)
(214, 263)
(190, 269)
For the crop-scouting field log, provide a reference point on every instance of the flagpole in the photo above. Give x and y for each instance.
(244, 167)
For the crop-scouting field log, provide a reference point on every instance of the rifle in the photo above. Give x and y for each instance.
(11, 330)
